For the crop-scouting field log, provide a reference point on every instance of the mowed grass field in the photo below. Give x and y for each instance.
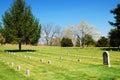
(64, 64)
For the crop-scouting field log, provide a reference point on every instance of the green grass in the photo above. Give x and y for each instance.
(68, 68)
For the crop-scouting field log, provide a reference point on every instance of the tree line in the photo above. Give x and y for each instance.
(19, 26)
(80, 34)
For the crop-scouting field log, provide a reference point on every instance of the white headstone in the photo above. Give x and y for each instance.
(27, 72)
(18, 67)
(79, 60)
(61, 57)
(41, 60)
(49, 62)
(29, 57)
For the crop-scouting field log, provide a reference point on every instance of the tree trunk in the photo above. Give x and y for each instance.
(83, 45)
(19, 46)
(118, 47)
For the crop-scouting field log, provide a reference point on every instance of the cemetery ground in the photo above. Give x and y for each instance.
(57, 63)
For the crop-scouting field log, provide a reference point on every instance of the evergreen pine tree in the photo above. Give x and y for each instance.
(20, 25)
(116, 24)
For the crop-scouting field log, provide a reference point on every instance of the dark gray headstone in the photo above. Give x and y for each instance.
(106, 59)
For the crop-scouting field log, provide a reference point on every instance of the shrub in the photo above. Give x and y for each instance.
(103, 42)
(66, 42)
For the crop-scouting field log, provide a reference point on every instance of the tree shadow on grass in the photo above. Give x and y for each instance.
(111, 49)
(20, 50)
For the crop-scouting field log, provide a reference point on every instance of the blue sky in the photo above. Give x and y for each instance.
(66, 12)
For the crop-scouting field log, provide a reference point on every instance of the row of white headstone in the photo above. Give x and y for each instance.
(19, 68)
(106, 59)
(41, 60)
(49, 62)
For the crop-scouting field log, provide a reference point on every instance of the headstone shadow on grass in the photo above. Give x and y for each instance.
(20, 50)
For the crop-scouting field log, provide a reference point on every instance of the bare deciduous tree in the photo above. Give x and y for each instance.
(51, 32)
(83, 29)
(68, 33)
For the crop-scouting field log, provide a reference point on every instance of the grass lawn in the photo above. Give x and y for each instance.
(64, 64)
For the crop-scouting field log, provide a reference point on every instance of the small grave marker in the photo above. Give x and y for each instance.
(25, 56)
(41, 60)
(29, 57)
(79, 60)
(18, 67)
(28, 72)
(61, 57)
(106, 59)
(49, 62)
